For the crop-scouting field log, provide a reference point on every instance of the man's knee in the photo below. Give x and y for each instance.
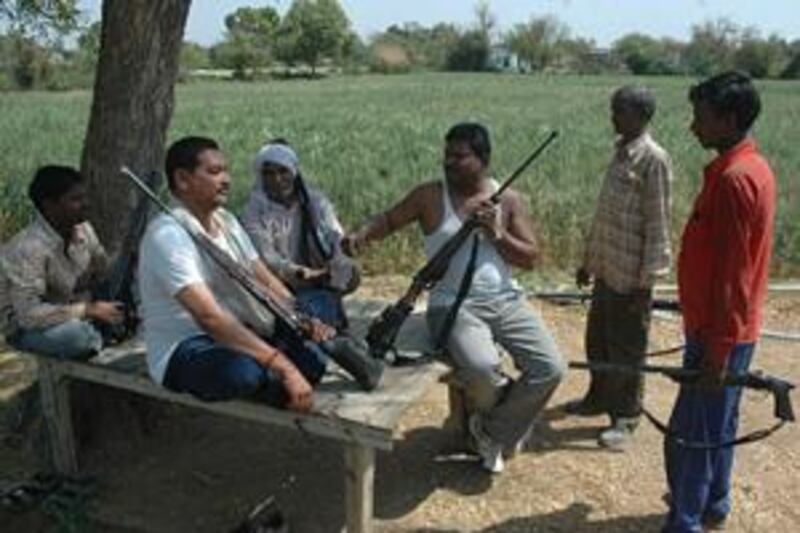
(545, 368)
(482, 385)
(245, 376)
(75, 339)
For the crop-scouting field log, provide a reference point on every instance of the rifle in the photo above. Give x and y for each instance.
(564, 298)
(383, 331)
(779, 388)
(117, 286)
(346, 351)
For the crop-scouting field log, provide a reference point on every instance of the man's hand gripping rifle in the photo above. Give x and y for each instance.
(347, 352)
(383, 331)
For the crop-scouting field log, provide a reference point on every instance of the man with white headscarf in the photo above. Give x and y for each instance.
(297, 233)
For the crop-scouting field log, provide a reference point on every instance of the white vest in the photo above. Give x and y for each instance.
(492, 278)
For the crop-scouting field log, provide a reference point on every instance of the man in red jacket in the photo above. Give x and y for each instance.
(722, 279)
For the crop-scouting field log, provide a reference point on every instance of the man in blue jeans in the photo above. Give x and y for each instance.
(205, 335)
(48, 269)
(723, 269)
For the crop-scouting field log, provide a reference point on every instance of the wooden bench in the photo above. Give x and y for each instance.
(363, 422)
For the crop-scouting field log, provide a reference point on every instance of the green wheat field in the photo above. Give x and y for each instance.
(366, 140)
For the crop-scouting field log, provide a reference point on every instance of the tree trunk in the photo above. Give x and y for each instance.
(140, 47)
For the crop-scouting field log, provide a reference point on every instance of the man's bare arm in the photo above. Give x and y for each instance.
(409, 209)
(517, 242)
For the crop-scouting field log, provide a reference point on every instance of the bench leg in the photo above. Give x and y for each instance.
(359, 483)
(54, 390)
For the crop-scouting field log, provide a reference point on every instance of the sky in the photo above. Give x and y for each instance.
(601, 20)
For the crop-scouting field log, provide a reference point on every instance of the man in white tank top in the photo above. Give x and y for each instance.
(494, 310)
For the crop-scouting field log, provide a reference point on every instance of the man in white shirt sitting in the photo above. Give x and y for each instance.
(205, 335)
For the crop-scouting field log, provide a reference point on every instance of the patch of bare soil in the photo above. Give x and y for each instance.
(193, 472)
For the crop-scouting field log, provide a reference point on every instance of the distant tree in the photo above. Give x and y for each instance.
(582, 56)
(643, 54)
(41, 17)
(193, 57)
(389, 58)
(89, 46)
(312, 30)
(354, 51)
(761, 58)
(443, 37)
(711, 47)
(29, 62)
(470, 53)
(792, 69)
(422, 47)
(540, 42)
(485, 20)
(28, 24)
(249, 40)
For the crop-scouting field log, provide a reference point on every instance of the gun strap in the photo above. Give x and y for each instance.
(754, 436)
(463, 290)
(310, 228)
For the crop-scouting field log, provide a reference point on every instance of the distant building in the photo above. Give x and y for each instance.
(502, 59)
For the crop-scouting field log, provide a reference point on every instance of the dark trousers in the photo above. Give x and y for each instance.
(324, 304)
(213, 372)
(616, 333)
(700, 480)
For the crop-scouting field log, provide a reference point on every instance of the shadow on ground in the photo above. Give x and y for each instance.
(573, 519)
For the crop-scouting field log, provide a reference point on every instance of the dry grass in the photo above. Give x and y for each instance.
(200, 473)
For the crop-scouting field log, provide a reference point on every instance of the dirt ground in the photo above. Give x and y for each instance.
(184, 471)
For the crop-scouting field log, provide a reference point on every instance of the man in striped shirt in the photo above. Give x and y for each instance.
(626, 251)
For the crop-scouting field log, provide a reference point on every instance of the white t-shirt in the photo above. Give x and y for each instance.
(170, 261)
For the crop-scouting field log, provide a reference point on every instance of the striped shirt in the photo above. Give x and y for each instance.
(629, 245)
(42, 282)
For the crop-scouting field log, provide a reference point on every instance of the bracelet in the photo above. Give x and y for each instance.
(272, 356)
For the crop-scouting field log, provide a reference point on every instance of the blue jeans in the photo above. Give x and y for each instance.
(213, 372)
(323, 304)
(700, 480)
(74, 339)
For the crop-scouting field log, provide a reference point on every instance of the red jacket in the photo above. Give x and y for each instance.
(723, 265)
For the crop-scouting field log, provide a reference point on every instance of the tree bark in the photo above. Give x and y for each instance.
(133, 100)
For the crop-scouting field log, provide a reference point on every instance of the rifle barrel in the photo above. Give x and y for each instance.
(230, 267)
(520, 169)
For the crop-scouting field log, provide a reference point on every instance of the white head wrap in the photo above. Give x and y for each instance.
(278, 154)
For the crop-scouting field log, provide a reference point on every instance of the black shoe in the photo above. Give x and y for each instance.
(353, 356)
(583, 408)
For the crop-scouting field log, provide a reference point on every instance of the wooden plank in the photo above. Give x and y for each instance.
(341, 410)
(359, 488)
(54, 391)
(324, 424)
(337, 395)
